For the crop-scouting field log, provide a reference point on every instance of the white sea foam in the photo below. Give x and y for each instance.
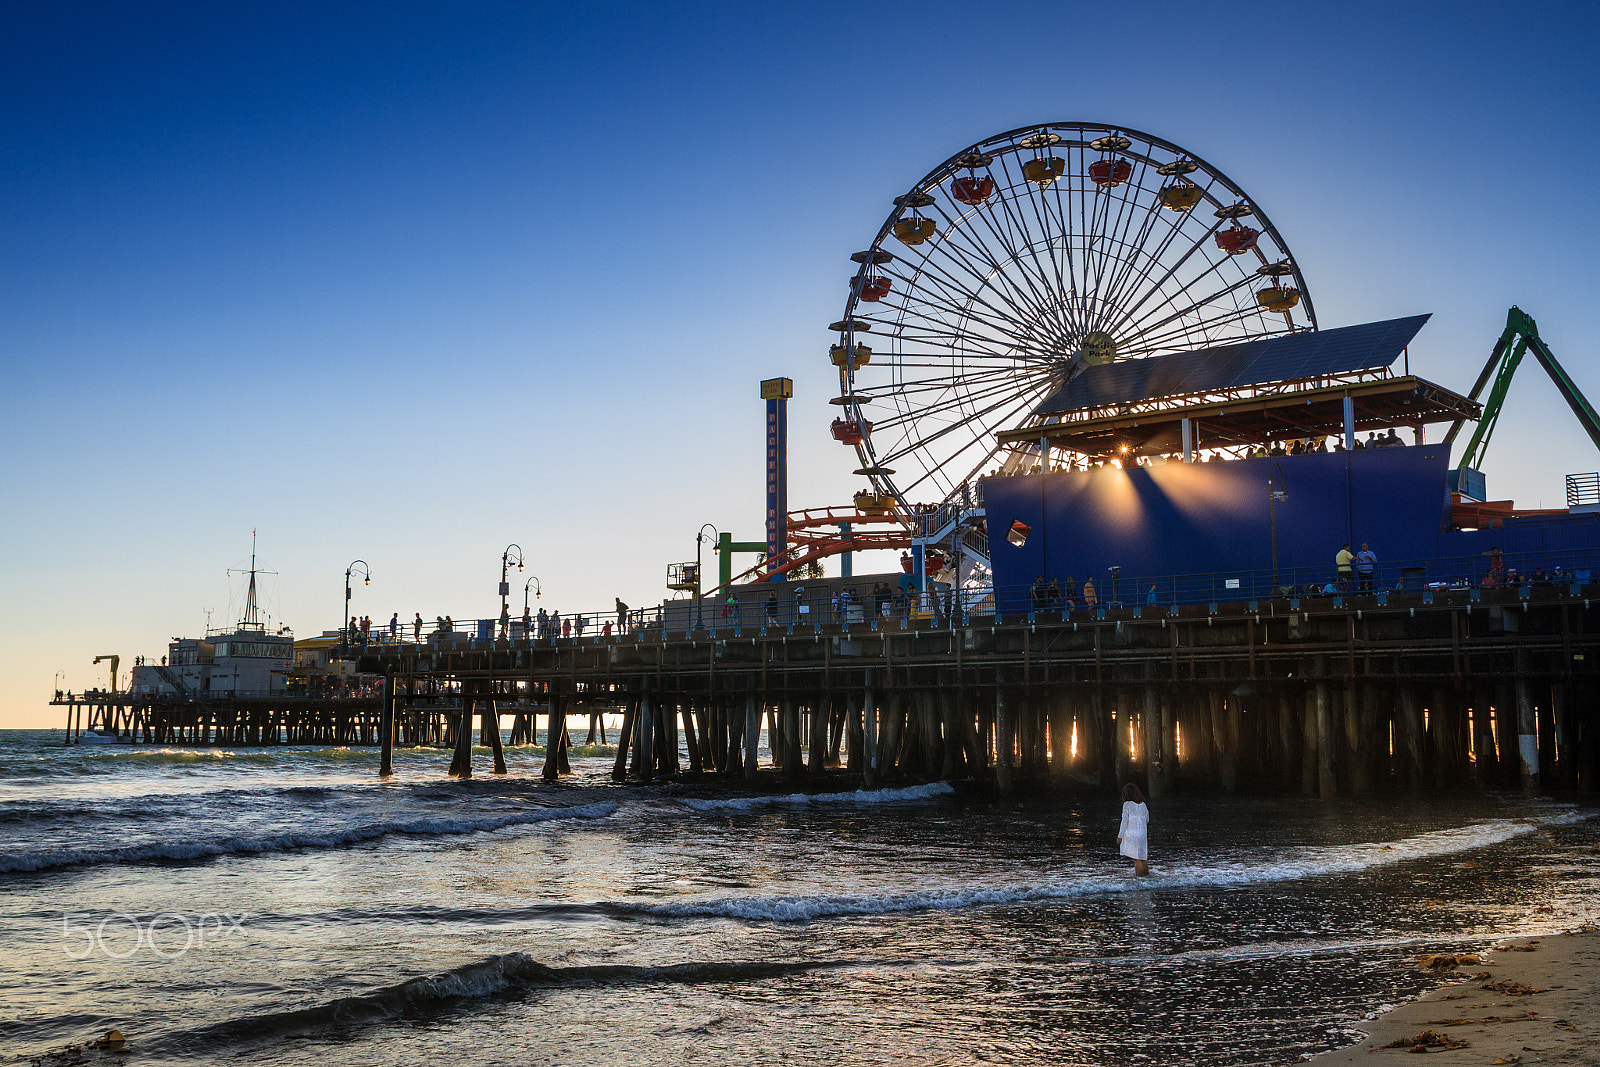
(202, 849)
(859, 796)
(1293, 865)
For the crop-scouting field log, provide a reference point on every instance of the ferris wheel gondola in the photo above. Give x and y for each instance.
(1020, 260)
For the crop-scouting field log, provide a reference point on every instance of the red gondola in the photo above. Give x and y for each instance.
(1237, 240)
(972, 189)
(1109, 173)
(875, 288)
(851, 431)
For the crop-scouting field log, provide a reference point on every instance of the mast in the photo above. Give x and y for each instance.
(250, 608)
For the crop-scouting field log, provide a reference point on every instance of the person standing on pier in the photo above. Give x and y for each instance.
(416, 628)
(1365, 560)
(1341, 561)
(1090, 597)
(394, 628)
(1134, 834)
(622, 616)
(1497, 568)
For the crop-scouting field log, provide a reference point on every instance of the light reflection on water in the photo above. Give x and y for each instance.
(935, 929)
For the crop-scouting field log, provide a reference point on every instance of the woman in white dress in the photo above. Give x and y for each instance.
(1134, 836)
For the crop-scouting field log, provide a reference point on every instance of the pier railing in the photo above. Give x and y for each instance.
(1111, 588)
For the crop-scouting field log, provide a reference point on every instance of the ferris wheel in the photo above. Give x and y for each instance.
(1022, 259)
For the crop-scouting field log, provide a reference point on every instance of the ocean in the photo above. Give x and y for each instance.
(285, 906)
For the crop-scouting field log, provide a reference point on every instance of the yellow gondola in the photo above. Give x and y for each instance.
(1180, 197)
(1278, 298)
(873, 503)
(1044, 170)
(915, 230)
(839, 353)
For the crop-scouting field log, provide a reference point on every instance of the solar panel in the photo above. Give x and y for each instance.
(1315, 354)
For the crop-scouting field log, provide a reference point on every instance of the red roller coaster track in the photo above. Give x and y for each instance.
(815, 534)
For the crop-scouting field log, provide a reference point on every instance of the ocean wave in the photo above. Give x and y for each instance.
(140, 754)
(490, 977)
(859, 796)
(193, 850)
(1293, 865)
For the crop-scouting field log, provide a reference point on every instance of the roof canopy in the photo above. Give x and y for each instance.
(1242, 394)
(1291, 357)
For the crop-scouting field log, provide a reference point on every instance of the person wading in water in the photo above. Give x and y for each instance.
(1134, 836)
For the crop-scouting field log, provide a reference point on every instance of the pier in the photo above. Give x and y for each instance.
(1314, 695)
(1326, 696)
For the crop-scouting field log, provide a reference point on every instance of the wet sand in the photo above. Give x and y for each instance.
(1488, 1007)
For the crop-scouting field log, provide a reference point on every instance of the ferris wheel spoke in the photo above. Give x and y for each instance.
(1154, 257)
(981, 278)
(1018, 284)
(1156, 286)
(971, 245)
(927, 333)
(1007, 401)
(1053, 235)
(1114, 269)
(994, 318)
(1053, 280)
(1168, 340)
(1096, 240)
(931, 395)
(921, 385)
(1137, 265)
(1117, 252)
(1016, 224)
(945, 365)
(1194, 305)
(993, 274)
(951, 288)
(954, 401)
(975, 441)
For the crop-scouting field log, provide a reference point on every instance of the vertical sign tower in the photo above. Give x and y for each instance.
(776, 392)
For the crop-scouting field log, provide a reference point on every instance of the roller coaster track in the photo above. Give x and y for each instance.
(816, 533)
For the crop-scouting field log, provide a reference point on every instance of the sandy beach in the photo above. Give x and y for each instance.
(1529, 1000)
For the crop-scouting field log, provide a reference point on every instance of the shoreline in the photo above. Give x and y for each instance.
(1490, 1007)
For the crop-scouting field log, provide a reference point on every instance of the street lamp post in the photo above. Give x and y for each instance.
(538, 591)
(345, 616)
(699, 539)
(507, 558)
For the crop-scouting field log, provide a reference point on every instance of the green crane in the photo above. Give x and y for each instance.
(1521, 335)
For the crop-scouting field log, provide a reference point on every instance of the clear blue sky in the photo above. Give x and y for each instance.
(409, 282)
